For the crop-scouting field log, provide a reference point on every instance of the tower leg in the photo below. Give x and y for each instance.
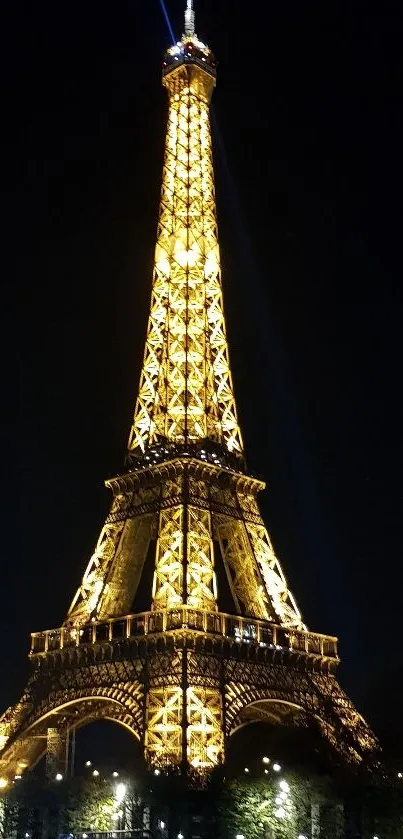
(57, 750)
(184, 722)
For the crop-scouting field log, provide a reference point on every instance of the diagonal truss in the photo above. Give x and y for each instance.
(193, 515)
(186, 391)
(183, 675)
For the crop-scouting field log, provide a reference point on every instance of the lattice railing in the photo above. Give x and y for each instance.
(241, 630)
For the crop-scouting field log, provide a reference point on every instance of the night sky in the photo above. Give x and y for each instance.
(307, 134)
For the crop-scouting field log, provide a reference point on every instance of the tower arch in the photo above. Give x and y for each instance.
(48, 727)
(272, 710)
(182, 675)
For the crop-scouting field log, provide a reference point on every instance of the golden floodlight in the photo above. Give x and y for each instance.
(182, 676)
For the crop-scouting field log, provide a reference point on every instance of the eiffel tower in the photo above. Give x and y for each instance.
(182, 676)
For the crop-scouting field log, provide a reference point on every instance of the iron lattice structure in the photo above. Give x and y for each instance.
(182, 676)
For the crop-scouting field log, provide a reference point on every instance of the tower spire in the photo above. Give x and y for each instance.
(182, 676)
(189, 18)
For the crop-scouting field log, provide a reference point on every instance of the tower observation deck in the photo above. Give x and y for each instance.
(182, 675)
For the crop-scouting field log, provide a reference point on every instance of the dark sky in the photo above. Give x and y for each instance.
(307, 133)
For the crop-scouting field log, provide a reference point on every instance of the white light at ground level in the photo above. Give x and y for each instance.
(3, 783)
(301, 836)
(88, 763)
(27, 836)
(120, 792)
(59, 776)
(246, 770)
(157, 772)
(266, 771)
(276, 767)
(265, 759)
(181, 836)
(115, 774)
(85, 835)
(239, 836)
(162, 825)
(95, 773)
(284, 786)
(400, 774)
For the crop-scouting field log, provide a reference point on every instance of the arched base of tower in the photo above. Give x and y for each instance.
(47, 731)
(273, 712)
(182, 693)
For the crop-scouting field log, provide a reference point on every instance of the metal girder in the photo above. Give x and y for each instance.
(186, 506)
(186, 390)
(183, 675)
(182, 701)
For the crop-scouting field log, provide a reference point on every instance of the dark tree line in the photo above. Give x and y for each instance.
(282, 806)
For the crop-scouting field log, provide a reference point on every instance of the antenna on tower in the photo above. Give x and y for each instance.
(189, 18)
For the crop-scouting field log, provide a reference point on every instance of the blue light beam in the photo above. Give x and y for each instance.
(167, 21)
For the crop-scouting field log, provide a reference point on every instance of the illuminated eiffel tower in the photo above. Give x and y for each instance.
(182, 676)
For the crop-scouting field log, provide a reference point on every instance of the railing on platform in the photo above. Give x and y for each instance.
(242, 630)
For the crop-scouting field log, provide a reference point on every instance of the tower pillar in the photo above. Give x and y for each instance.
(57, 751)
(162, 659)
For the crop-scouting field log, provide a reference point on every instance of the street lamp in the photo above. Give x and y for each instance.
(88, 763)
(115, 774)
(265, 760)
(59, 777)
(162, 825)
(276, 767)
(120, 792)
(95, 773)
(3, 783)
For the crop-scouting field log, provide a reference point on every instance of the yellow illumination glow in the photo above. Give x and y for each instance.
(182, 503)
(186, 391)
(205, 741)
